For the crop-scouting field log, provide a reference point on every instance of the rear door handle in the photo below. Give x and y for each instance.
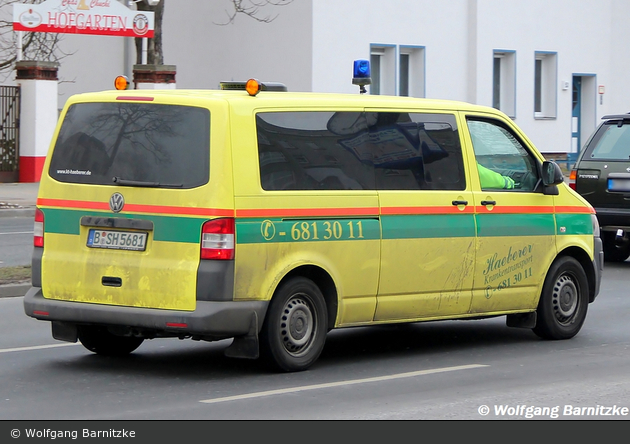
(488, 202)
(460, 202)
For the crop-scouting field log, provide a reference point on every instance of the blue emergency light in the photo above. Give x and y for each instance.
(361, 74)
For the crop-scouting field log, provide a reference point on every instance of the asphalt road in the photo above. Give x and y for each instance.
(16, 241)
(430, 371)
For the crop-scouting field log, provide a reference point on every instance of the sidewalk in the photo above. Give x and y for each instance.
(17, 200)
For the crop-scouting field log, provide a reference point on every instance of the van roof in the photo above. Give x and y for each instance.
(280, 99)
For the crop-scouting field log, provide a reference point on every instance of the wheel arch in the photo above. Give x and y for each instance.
(324, 281)
(587, 264)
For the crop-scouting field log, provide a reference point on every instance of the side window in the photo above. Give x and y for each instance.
(317, 150)
(502, 160)
(304, 151)
(415, 151)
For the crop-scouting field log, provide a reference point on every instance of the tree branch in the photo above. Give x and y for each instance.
(251, 8)
(35, 45)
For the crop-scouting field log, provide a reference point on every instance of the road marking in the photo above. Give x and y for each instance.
(17, 232)
(35, 347)
(341, 383)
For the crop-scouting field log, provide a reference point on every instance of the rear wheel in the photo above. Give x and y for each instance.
(564, 300)
(612, 251)
(295, 327)
(100, 341)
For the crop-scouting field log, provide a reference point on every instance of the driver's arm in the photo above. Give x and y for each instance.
(492, 179)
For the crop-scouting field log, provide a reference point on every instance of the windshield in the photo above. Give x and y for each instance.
(134, 145)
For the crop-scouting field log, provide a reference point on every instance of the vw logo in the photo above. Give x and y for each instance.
(628, 170)
(116, 202)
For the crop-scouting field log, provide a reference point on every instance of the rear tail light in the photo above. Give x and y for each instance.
(572, 177)
(38, 228)
(217, 239)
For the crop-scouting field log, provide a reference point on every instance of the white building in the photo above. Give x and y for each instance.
(554, 66)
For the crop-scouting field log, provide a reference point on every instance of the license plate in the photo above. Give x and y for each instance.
(117, 240)
(619, 184)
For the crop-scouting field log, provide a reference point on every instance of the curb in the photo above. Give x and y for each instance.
(14, 290)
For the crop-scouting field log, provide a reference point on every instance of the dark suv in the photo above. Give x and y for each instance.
(602, 176)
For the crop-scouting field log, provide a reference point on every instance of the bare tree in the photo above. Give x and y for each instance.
(249, 8)
(41, 46)
(155, 55)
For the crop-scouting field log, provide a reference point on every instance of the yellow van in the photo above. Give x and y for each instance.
(273, 217)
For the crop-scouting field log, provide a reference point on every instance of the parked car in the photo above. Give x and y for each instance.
(602, 176)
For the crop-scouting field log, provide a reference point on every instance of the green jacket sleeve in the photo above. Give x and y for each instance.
(491, 179)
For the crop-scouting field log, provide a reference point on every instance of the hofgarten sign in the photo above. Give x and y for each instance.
(99, 17)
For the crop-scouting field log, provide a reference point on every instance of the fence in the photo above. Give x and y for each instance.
(9, 133)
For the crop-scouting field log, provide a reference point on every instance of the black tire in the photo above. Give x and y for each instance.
(295, 326)
(612, 251)
(100, 341)
(564, 300)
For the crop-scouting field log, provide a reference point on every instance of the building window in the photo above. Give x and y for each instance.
(403, 69)
(397, 70)
(375, 68)
(545, 81)
(496, 83)
(538, 86)
(383, 69)
(411, 71)
(504, 82)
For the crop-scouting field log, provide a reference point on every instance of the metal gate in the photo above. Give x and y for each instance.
(9, 133)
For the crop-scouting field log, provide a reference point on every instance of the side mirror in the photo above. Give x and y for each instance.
(551, 176)
(551, 173)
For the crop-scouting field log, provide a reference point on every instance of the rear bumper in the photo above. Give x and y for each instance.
(613, 218)
(211, 318)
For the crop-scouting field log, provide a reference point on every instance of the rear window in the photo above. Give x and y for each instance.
(612, 142)
(162, 146)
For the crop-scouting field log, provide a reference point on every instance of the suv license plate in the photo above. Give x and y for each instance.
(117, 240)
(619, 184)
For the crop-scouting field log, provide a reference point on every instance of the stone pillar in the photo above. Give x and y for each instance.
(154, 76)
(38, 115)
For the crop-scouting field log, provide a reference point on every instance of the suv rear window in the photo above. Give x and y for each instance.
(612, 143)
(162, 146)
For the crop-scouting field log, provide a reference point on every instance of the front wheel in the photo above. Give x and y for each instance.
(564, 300)
(294, 330)
(100, 341)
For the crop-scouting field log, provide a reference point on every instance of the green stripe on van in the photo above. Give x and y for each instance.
(428, 226)
(574, 224)
(165, 228)
(186, 229)
(493, 225)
